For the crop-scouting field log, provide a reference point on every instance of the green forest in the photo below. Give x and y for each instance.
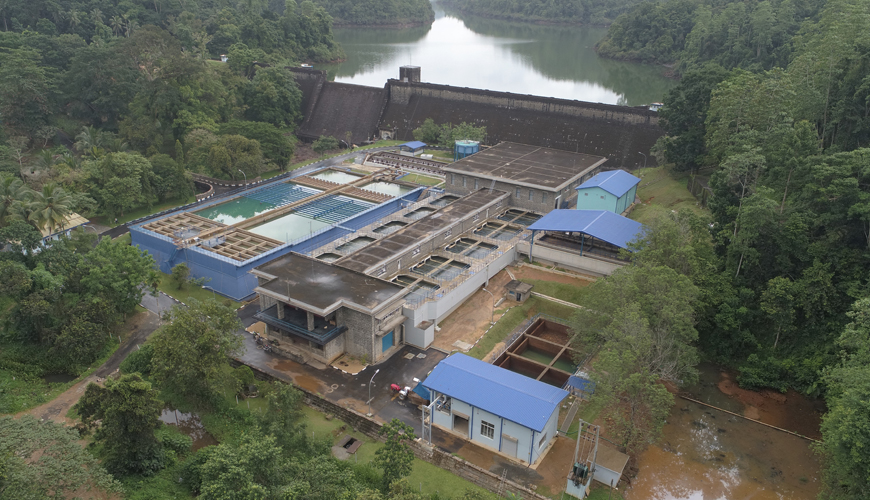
(548, 11)
(379, 12)
(773, 107)
(687, 33)
(116, 102)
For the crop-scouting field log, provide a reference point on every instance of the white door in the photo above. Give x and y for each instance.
(509, 445)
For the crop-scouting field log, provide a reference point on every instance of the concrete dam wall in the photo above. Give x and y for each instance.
(615, 132)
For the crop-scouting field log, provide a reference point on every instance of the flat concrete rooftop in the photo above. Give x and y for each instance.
(311, 282)
(544, 168)
(415, 233)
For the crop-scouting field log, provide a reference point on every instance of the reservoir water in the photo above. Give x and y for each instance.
(471, 51)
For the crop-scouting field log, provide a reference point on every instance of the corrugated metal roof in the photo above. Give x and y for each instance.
(615, 182)
(602, 224)
(413, 144)
(501, 392)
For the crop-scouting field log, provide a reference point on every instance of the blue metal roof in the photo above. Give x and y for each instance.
(615, 182)
(602, 224)
(413, 145)
(423, 392)
(501, 392)
(582, 384)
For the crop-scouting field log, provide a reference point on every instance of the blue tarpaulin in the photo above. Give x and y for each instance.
(423, 392)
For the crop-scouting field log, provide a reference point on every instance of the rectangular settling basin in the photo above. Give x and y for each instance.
(336, 176)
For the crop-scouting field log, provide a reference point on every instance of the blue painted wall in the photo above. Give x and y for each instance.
(231, 278)
(595, 198)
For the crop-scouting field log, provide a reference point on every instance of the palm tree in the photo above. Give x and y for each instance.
(75, 19)
(88, 139)
(97, 16)
(117, 25)
(50, 207)
(14, 194)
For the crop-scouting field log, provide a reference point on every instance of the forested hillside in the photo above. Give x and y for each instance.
(784, 294)
(379, 12)
(553, 11)
(734, 34)
(115, 102)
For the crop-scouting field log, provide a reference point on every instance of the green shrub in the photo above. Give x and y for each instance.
(138, 361)
(173, 439)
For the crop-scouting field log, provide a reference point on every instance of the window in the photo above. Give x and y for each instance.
(518, 192)
(444, 407)
(543, 197)
(531, 195)
(448, 233)
(464, 179)
(543, 440)
(475, 184)
(452, 179)
(487, 430)
(602, 197)
(416, 251)
(585, 194)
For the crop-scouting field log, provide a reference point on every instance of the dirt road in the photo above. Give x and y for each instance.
(138, 328)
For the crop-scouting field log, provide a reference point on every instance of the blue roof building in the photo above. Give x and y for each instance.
(494, 407)
(614, 190)
(603, 225)
(412, 148)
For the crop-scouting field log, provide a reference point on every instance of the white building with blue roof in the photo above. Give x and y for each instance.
(501, 410)
(614, 191)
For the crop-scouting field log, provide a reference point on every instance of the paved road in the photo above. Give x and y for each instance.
(157, 304)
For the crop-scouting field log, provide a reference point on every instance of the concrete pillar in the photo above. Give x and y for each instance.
(280, 310)
(310, 321)
(262, 302)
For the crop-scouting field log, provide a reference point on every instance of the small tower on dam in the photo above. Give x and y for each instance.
(409, 74)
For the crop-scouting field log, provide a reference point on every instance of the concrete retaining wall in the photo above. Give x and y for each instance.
(571, 260)
(455, 465)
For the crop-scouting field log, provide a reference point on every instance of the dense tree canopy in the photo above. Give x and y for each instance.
(379, 12)
(733, 34)
(562, 11)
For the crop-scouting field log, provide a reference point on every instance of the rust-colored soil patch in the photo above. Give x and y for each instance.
(471, 320)
(788, 411)
(554, 468)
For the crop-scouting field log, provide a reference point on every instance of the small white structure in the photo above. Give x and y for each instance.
(224, 58)
(496, 408)
(72, 221)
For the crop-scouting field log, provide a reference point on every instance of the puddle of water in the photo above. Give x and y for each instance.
(189, 424)
(706, 454)
(59, 378)
(304, 381)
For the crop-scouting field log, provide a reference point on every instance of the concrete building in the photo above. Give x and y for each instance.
(614, 191)
(319, 311)
(537, 178)
(504, 411)
(413, 148)
(225, 238)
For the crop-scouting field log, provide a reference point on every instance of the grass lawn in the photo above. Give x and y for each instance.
(601, 492)
(514, 318)
(424, 475)
(424, 180)
(142, 212)
(191, 292)
(438, 154)
(658, 188)
(561, 291)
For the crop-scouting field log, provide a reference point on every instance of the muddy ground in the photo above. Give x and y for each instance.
(471, 320)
